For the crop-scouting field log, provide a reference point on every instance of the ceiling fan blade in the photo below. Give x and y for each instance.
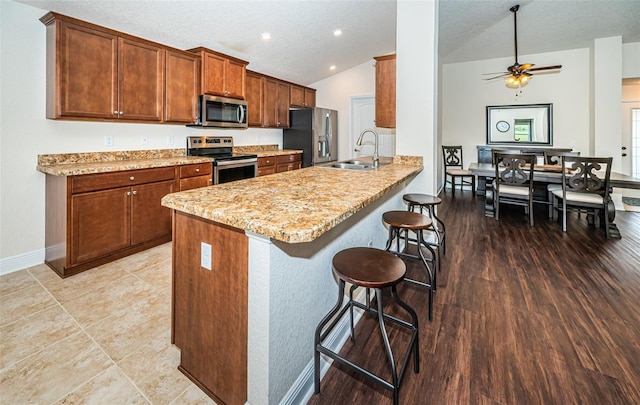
(497, 77)
(545, 68)
(525, 66)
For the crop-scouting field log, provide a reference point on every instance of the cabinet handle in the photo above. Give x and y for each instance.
(128, 192)
(135, 192)
(197, 170)
(115, 112)
(132, 178)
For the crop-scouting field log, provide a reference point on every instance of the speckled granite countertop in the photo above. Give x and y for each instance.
(74, 164)
(294, 206)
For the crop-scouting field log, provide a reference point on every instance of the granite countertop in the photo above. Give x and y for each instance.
(295, 206)
(75, 164)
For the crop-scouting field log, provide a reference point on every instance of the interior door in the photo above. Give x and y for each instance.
(364, 114)
(631, 149)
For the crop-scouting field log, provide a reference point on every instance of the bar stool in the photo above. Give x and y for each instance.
(429, 202)
(377, 269)
(406, 221)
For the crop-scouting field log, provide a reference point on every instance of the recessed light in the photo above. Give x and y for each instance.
(337, 32)
(266, 36)
(332, 67)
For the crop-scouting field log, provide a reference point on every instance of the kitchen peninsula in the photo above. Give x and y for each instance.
(252, 271)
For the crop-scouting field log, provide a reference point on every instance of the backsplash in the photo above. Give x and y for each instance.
(97, 157)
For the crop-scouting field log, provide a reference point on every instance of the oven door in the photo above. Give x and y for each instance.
(231, 170)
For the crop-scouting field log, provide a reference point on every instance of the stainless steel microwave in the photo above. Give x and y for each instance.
(221, 112)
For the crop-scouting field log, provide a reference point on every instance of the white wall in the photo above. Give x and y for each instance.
(465, 95)
(25, 133)
(631, 60)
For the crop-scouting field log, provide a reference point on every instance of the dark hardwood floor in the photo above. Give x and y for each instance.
(522, 315)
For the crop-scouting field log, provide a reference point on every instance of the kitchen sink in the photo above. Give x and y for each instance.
(352, 166)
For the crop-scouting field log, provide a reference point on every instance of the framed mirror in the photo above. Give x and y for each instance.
(525, 124)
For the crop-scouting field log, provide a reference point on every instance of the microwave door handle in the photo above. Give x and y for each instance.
(240, 114)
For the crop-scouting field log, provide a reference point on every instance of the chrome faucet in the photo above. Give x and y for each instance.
(376, 158)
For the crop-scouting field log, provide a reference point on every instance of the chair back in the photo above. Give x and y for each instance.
(452, 156)
(514, 169)
(587, 175)
(554, 156)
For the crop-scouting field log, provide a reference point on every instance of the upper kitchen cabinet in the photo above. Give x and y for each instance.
(304, 97)
(93, 72)
(221, 75)
(182, 85)
(255, 98)
(386, 91)
(276, 103)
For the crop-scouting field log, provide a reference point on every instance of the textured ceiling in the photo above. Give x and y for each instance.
(303, 45)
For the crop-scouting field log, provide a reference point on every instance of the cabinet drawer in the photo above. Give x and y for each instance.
(295, 157)
(263, 171)
(199, 169)
(285, 167)
(266, 161)
(102, 181)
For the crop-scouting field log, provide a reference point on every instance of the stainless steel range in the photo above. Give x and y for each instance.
(227, 166)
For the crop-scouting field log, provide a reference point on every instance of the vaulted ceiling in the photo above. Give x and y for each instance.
(303, 44)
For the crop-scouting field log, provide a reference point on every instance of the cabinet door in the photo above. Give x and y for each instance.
(149, 219)
(255, 93)
(213, 74)
(195, 182)
(140, 81)
(270, 102)
(386, 91)
(235, 77)
(296, 96)
(87, 82)
(181, 87)
(283, 105)
(100, 223)
(309, 98)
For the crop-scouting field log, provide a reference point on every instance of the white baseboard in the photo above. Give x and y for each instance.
(303, 388)
(19, 262)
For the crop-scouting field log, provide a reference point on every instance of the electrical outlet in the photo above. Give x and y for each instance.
(144, 140)
(169, 139)
(205, 255)
(108, 140)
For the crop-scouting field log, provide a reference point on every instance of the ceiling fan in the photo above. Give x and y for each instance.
(518, 75)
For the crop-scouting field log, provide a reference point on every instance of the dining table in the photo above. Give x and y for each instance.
(544, 175)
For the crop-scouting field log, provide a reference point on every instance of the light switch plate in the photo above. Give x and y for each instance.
(108, 140)
(144, 140)
(205, 255)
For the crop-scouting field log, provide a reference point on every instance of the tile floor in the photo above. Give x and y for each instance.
(99, 337)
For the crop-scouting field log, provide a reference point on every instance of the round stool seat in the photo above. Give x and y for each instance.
(407, 220)
(369, 267)
(421, 199)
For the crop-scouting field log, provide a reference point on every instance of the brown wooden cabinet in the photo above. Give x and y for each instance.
(276, 103)
(255, 98)
(96, 73)
(266, 165)
(195, 176)
(97, 218)
(301, 96)
(182, 84)
(386, 91)
(221, 75)
(285, 163)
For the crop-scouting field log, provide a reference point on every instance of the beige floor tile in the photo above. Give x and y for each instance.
(193, 396)
(14, 282)
(54, 372)
(79, 284)
(148, 258)
(164, 386)
(29, 335)
(24, 303)
(159, 275)
(107, 299)
(151, 357)
(109, 387)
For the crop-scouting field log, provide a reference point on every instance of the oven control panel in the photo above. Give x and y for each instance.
(197, 142)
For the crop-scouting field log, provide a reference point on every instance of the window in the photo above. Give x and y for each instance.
(522, 130)
(635, 142)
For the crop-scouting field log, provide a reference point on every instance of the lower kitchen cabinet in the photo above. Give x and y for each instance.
(97, 218)
(195, 176)
(266, 165)
(285, 163)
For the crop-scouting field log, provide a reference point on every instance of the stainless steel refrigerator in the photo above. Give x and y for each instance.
(315, 131)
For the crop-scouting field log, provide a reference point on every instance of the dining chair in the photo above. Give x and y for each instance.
(513, 183)
(585, 189)
(454, 168)
(554, 157)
